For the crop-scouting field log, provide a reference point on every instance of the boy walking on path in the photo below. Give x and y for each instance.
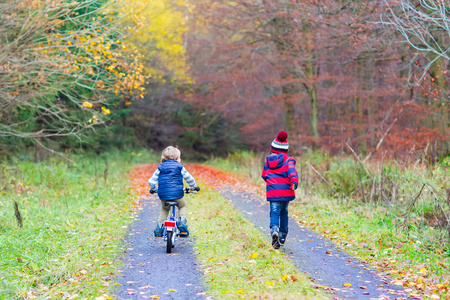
(169, 176)
(281, 179)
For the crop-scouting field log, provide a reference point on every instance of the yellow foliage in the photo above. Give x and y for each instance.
(161, 39)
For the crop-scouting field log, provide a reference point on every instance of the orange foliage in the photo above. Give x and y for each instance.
(213, 177)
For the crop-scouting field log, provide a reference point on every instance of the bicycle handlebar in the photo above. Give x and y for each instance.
(186, 190)
(192, 190)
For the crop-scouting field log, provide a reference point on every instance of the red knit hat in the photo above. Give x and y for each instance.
(280, 143)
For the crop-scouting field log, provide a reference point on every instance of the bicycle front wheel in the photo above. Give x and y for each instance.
(169, 242)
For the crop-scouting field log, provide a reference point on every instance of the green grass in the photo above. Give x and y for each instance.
(73, 224)
(237, 259)
(372, 234)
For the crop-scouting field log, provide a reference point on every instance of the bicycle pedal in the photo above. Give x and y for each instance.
(184, 234)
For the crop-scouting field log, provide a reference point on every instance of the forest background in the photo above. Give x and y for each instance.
(214, 77)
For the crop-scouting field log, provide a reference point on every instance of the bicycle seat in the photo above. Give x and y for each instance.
(171, 203)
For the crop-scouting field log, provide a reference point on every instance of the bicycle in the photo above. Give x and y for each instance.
(171, 231)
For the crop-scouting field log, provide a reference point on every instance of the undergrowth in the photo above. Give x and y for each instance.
(73, 216)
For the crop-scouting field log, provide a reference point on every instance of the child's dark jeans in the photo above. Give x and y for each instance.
(279, 217)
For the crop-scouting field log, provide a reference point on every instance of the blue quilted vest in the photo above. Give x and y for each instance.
(170, 180)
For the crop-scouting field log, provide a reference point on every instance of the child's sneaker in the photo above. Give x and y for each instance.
(182, 227)
(159, 231)
(275, 238)
(282, 242)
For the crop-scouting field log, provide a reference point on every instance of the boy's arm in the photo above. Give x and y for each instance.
(153, 180)
(264, 172)
(292, 174)
(188, 177)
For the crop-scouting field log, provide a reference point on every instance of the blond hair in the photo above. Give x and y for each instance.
(171, 153)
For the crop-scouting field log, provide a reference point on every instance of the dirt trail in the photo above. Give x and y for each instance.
(328, 267)
(149, 270)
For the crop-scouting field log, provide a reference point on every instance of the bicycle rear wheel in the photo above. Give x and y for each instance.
(169, 242)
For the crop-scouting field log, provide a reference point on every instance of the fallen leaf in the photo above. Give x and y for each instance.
(347, 284)
(154, 297)
(250, 277)
(363, 287)
(293, 278)
(254, 255)
(20, 258)
(269, 282)
(284, 278)
(240, 291)
(172, 290)
(145, 287)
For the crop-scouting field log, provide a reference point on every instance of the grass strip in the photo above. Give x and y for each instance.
(74, 218)
(238, 260)
(369, 233)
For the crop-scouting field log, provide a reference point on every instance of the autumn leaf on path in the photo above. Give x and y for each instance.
(254, 255)
(145, 287)
(347, 284)
(172, 290)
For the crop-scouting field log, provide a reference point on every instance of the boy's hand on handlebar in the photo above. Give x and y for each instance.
(189, 190)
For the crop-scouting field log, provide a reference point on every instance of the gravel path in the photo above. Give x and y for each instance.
(149, 270)
(328, 266)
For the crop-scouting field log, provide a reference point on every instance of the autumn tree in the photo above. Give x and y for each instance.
(425, 25)
(63, 64)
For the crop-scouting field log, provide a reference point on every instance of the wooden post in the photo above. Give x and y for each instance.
(17, 214)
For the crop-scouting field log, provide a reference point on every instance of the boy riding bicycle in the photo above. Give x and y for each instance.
(169, 176)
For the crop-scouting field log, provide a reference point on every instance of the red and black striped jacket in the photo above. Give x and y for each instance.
(281, 177)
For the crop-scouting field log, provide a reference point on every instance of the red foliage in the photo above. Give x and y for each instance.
(322, 70)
